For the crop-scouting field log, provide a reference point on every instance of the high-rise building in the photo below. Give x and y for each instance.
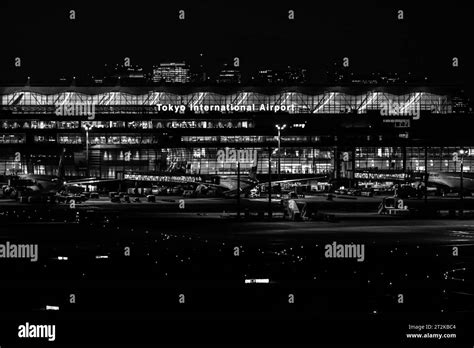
(268, 76)
(289, 76)
(229, 75)
(200, 75)
(172, 73)
(295, 75)
(133, 72)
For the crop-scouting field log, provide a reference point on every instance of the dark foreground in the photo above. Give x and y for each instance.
(161, 278)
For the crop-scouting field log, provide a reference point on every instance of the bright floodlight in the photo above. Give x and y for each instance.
(257, 281)
(52, 308)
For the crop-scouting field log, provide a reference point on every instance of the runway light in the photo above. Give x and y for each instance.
(52, 308)
(257, 281)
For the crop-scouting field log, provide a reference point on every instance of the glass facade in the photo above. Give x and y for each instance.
(106, 161)
(378, 158)
(155, 131)
(152, 124)
(442, 159)
(210, 160)
(293, 102)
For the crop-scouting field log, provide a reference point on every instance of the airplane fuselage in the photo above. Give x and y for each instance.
(452, 180)
(43, 183)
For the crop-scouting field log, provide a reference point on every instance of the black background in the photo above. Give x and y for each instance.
(259, 33)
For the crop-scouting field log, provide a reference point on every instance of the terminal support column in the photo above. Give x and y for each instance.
(238, 189)
(269, 182)
(426, 175)
(353, 179)
(337, 165)
(404, 158)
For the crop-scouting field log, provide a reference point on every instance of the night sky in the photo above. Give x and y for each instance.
(259, 33)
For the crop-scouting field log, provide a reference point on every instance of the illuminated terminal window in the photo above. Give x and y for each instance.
(44, 139)
(379, 158)
(69, 139)
(440, 159)
(329, 102)
(68, 124)
(12, 138)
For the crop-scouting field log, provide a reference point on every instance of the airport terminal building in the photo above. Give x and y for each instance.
(353, 134)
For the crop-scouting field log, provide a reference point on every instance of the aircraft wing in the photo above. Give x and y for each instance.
(90, 181)
(276, 182)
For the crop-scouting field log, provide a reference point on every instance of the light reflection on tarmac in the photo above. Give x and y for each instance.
(216, 218)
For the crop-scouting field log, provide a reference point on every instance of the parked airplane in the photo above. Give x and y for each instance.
(47, 185)
(228, 184)
(448, 181)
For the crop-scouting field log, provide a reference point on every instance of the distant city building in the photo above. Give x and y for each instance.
(296, 75)
(369, 79)
(341, 75)
(376, 79)
(338, 74)
(172, 73)
(388, 78)
(229, 75)
(134, 72)
(200, 75)
(461, 105)
(290, 76)
(268, 76)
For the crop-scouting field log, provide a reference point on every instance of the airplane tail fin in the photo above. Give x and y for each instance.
(61, 164)
(253, 170)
